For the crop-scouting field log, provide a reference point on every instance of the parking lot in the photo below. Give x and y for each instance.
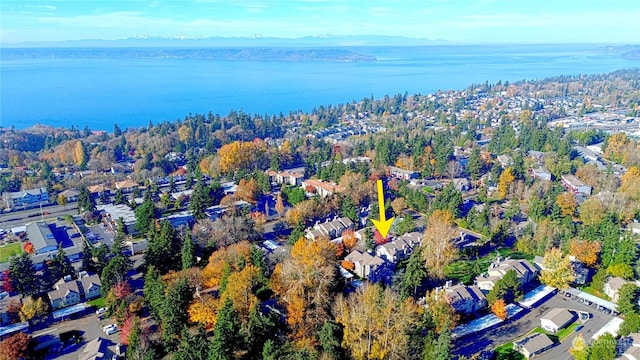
(515, 329)
(88, 327)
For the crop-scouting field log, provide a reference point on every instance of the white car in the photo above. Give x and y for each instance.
(101, 311)
(110, 329)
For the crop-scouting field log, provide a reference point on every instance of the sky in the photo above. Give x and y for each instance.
(459, 21)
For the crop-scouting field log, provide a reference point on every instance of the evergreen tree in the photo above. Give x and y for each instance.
(330, 337)
(23, 275)
(119, 197)
(226, 334)
(163, 250)
(198, 201)
(628, 298)
(260, 329)
(145, 214)
(414, 275)
(154, 291)
(87, 259)
(192, 346)
(60, 266)
(85, 201)
(188, 252)
(173, 312)
(348, 209)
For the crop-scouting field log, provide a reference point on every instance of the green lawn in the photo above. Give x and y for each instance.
(562, 334)
(97, 303)
(594, 292)
(505, 351)
(9, 250)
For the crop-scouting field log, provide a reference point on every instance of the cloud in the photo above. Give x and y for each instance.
(41, 7)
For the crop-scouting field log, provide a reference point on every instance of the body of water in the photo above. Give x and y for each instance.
(131, 92)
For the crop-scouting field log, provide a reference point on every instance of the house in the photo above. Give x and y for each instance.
(365, 263)
(96, 349)
(505, 160)
(114, 212)
(399, 248)
(69, 292)
(612, 287)
(66, 293)
(26, 199)
(126, 186)
(541, 172)
(524, 270)
(465, 299)
(330, 229)
(41, 237)
(96, 190)
(286, 177)
(586, 154)
(461, 184)
(556, 319)
(533, 345)
(402, 173)
(70, 194)
(90, 286)
(322, 188)
(572, 183)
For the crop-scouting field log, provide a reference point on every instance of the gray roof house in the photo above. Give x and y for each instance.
(465, 299)
(330, 229)
(96, 349)
(612, 287)
(525, 271)
(533, 345)
(399, 248)
(365, 264)
(41, 237)
(64, 294)
(556, 319)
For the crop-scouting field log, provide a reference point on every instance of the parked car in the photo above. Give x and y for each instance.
(101, 311)
(111, 329)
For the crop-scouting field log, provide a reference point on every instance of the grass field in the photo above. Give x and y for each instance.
(98, 303)
(9, 250)
(505, 351)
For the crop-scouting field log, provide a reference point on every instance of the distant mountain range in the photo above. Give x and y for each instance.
(253, 41)
(210, 53)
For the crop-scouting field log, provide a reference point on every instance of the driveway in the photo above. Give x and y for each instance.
(89, 326)
(515, 329)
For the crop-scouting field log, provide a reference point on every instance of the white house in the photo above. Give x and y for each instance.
(556, 319)
(65, 294)
(402, 173)
(612, 287)
(399, 248)
(322, 188)
(541, 173)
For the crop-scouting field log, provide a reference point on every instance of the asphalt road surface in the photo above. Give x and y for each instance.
(19, 218)
(515, 329)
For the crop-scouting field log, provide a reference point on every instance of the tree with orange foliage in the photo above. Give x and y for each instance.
(240, 155)
(346, 264)
(630, 183)
(241, 293)
(349, 239)
(305, 283)
(28, 247)
(280, 204)
(248, 190)
(439, 249)
(499, 308)
(18, 346)
(586, 251)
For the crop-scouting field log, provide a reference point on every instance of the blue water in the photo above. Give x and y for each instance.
(99, 92)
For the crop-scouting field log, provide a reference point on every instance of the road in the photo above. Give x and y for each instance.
(515, 329)
(19, 218)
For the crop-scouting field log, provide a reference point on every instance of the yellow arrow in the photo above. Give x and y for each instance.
(383, 224)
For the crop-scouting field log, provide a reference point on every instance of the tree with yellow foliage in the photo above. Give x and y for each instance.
(567, 203)
(33, 309)
(505, 180)
(241, 292)
(439, 250)
(376, 323)
(630, 183)
(305, 283)
(79, 155)
(557, 271)
(591, 211)
(233, 255)
(203, 310)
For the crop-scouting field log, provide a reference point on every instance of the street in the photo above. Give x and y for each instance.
(515, 329)
(19, 218)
